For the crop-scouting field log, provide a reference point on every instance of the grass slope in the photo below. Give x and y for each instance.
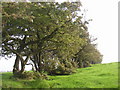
(97, 76)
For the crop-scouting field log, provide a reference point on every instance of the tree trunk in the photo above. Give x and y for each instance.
(16, 65)
(39, 63)
(81, 63)
(22, 67)
(35, 65)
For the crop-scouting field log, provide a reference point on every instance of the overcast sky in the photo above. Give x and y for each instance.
(104, 27)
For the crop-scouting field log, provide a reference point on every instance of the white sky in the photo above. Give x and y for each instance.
(104, 27)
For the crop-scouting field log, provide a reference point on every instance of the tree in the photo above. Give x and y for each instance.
(28, 31)
(45, 33)
(88, 54)
(15, 33)
(63, 41)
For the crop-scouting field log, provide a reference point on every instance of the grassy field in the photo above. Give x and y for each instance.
(97, 76)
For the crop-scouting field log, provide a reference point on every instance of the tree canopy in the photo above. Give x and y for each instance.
(51, 35)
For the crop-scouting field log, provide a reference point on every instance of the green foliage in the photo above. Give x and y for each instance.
(41, 76)
(24, 75)
(55, 67)
(30, 75)
(49, 34)
(88, 55)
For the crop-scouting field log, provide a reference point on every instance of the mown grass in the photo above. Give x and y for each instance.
(97, 76)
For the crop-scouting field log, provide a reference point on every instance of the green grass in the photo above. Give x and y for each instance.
(0, 80)
(97, 76)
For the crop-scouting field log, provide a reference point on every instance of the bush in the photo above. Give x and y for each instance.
(63, 69)
(30, 75)
(38, 75)
(24, 75)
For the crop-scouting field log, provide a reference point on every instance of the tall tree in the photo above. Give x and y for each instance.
(33, 28)
(47, 33)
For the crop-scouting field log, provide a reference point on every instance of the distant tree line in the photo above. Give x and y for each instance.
(50, 36)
